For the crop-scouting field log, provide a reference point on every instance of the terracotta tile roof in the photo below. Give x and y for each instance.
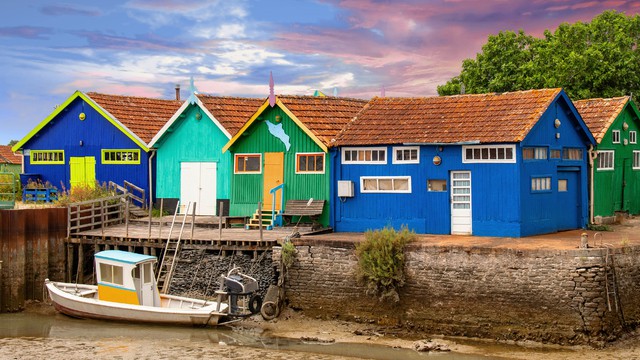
(143, 116)
(8, 157)
(231, 112)
(485, 118)
(599, 114)
(324, 116)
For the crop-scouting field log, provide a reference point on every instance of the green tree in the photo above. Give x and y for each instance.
(596, 59)
(12, 142)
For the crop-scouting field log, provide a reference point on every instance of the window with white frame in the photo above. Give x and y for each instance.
(636, 159)
(534, 153)
(385, 184)
(605, 160)
(488, 154)
(615, 136)
(310, 163)
(632, 137)
(376, 155)
(406, 155)
(541, 183)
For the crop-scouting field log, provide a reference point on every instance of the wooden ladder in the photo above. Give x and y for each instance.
(611, 285)
(171, 253)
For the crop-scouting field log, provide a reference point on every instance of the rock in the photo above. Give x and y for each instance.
(430, 345)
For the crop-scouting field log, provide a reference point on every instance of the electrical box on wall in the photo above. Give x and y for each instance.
(345, 188)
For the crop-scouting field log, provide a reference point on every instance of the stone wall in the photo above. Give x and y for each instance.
(557, 296)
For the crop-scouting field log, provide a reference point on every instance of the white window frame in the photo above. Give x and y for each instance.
(371, 162)
(615, 136)
(403, 148)
(324, 162)
(362, 190)
(540, 183)
(633, 137)
(466, 160)
(636, 160)
(235, 165)
(607, 168)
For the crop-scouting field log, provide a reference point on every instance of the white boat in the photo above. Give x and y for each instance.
(127, 291)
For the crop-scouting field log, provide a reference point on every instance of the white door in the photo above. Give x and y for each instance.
(198, 185)
(148, 287)
(461, 202)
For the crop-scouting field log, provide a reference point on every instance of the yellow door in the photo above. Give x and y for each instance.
(273, 176)
(82, 171)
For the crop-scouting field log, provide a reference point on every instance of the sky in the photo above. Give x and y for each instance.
(49, 49)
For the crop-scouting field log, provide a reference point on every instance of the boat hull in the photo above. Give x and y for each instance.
(81, 301)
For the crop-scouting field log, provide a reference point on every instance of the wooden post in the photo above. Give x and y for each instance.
(193, 220)
(69, 262)
(220, 221)
(126, 219)
(80, 274)
(160, 225)
(102, 216)
(260, 218)
(150, 213)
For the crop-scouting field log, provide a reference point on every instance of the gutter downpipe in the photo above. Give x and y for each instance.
(153, 153)
(592, 156)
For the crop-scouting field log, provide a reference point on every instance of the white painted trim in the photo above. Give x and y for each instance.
(362, 190)
(635, 137)
(377, 162)
(613, 160)
(396, 161)
(498, 161)
(613, 136)
(636, 160)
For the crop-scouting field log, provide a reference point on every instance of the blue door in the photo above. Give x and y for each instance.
(569, 207)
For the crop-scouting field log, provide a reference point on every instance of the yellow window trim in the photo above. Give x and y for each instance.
(45, 162)
(120, 162)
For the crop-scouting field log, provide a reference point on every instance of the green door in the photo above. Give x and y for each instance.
(83, 171)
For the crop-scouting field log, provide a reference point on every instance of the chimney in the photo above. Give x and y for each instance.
(178, 92)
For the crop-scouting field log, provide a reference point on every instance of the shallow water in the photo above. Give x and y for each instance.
(75, 338)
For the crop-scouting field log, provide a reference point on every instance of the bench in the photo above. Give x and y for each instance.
(301, 208)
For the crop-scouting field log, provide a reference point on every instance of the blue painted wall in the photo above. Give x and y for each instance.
(66, 130)
(502, 201)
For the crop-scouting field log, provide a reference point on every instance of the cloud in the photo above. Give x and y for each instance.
(165, 12)
(68, 9)
(26, 32)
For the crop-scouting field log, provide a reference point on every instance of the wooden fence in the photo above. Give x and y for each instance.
(32, 248)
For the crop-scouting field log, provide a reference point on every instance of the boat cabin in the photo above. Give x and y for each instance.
(125, 277)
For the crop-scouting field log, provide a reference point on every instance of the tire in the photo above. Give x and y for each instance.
(269, 310)
(255, 303)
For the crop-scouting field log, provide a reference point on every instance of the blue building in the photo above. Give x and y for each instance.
(511, 164)
(96, 137)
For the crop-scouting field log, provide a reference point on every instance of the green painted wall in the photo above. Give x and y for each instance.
(191, 140)
(609, 193)
(13, 168)
(247, 188)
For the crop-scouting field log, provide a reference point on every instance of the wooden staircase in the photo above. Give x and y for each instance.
(268, 220)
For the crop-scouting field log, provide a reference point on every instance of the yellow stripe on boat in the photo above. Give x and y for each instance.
(119, 295)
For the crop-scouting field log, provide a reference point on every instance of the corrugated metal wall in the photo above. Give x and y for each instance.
(247, 188)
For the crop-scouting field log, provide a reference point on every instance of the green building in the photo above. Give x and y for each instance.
(191, 167)
(281, 153)
(615, 174)
(10, 162)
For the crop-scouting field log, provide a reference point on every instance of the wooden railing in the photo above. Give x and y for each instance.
(136, 193)
(96, 214)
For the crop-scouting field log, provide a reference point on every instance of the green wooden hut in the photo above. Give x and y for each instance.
(9, 162)
(280, 153)
(615, 173)
(191, 167)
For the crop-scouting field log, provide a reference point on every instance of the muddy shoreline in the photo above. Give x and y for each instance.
(296, 325)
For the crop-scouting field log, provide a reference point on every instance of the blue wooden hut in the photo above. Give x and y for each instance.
(191, 167)
(93, 138)
(511, 164)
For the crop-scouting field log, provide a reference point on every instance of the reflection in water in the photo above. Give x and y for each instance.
(62, 327)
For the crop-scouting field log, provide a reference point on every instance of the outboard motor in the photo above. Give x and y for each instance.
(242, 291)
